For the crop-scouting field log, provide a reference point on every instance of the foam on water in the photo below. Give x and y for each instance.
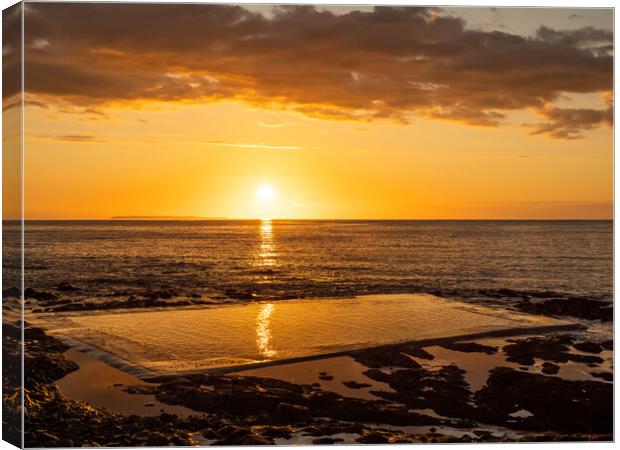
(172, 341)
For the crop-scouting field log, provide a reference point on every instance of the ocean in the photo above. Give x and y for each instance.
(227, 260)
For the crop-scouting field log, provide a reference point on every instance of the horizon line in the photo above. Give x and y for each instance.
(216, 219)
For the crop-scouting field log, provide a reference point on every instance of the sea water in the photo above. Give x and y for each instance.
(108, 260)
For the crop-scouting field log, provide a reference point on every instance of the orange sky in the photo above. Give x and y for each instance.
(387, 113)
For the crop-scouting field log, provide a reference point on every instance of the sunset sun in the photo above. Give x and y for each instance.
(265, 193)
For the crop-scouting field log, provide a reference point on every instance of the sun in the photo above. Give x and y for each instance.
(265, 193)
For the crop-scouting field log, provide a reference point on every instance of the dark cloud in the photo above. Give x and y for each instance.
(11, 56)
(72, 138)
(566, 123)
(387, 64)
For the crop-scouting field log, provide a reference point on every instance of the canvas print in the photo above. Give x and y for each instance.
(235, 224)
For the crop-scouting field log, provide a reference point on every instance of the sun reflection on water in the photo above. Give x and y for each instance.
(263, 331)
(267, 246)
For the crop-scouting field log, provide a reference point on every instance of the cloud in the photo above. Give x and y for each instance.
(273, 124)
(567, 123)
(259, 146)
(72, 138)
(394, 64)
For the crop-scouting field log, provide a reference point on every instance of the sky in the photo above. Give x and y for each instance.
(317, 113)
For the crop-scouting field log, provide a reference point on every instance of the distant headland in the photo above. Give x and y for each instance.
(166, 218)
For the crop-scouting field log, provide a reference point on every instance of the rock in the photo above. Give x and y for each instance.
(11, 292)
(276, 432)
(66, 287)
(356, 385)
(37, 295)
(293, 413)
(469, 347)
(244, 436)
(326, 377)
(550, 368)
(331, 427)
(377, 375)
(547, 348)
(608, 345)
(588, 347)
(156, 439)
(444, 390)
(326, 441)
(417, 352)
(607, 376)
(571, 406)
(373, 437)
(388, 356)
(51, 439)
(575, 307)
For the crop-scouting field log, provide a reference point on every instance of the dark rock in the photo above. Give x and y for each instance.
(444, 390)
(11, 292)
(156, 438)
(607, 376)
(276, 432)
(608, 345)
(355, 385)
(377, 375)
(38, 295)
(331, 427)
(66, 287)
(575, 307)
(373, 437)
(556, 404)
(326, 441)
(293, 413)
(470, 347)
(588, 347)
(590, 360)
(551, 348)
(326, 377)
(385, 357)
(417, 352)
(51, 439)
(549, 368)
(244, 436)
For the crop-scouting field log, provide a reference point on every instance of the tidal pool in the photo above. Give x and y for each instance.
(149, 343)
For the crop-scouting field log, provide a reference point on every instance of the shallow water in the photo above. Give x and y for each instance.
(102, 386)
(299, 259)
(340, 368)
(174, 341)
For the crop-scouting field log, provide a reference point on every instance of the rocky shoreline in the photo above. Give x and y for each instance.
(69, 298)
(423, 404)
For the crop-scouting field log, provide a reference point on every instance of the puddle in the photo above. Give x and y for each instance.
(342, 369)
(102, 386)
